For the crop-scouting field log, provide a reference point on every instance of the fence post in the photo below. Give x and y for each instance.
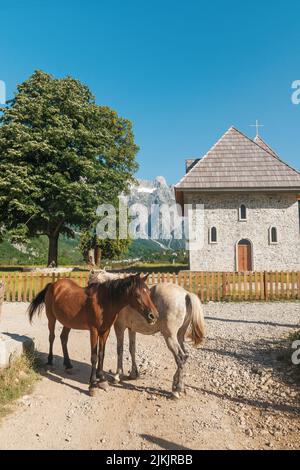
(233, 286)
(218, 286)
(202, 287)
(293, 280)
(213, 287)
(239, 285)
(250, 286)
(191, 284)
(282, 285)
(256, 285)
(207, 283)
(288, 292)
(20, 286)
(266, 284)
(224, 286)
(271, 286)
(276, 285)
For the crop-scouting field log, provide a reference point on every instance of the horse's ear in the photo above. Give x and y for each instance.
(92, 271)
(145, 277)
(136, 276)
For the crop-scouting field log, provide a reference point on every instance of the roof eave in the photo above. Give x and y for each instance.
(294, 189)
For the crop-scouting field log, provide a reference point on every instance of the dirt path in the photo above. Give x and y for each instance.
(239, 394)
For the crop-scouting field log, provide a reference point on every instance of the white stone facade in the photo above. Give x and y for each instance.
(264, 210)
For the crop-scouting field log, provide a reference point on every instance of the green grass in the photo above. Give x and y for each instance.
(161, 267)
(17, 380)
(37, 252)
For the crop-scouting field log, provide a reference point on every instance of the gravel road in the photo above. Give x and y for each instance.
(240, 394)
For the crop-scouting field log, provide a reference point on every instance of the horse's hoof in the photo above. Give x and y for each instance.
(103, 385)
(116, 379)
(175, 395)
(92, 391)
(133, 376)
(68, 365)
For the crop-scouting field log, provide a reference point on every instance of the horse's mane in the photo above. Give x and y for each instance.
(116, 288)
(102, 275)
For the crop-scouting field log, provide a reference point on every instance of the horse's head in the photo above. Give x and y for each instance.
(139, 298)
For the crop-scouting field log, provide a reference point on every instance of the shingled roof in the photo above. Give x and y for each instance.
(236, 162)
(259, 141)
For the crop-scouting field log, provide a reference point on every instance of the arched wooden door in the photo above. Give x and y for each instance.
(244, 256)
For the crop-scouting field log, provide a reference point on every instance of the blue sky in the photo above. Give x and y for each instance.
(182, 71)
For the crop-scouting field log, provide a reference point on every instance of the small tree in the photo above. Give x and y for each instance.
(61, 155)
(98, 249)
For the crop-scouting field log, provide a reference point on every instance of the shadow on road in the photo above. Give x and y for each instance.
(163, 443)
(80, 374)
(294, 409)
(57, 373)
(254, 322)
(140, 388)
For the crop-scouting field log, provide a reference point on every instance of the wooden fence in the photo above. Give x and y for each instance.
(209, 286)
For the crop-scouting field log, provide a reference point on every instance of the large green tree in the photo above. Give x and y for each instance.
(61, 155)
(107, 249)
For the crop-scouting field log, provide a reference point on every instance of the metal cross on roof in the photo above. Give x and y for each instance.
(257, 125)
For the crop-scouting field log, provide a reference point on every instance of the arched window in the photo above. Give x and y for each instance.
(243, 212)
(273, 235)
(213, 235)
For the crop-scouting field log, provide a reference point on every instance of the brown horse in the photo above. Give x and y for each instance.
(94, 308)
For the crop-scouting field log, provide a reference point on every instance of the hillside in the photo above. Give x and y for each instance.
(146, 192)
(35, 252)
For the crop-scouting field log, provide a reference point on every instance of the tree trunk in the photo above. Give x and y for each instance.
(91, 257)
(97, 256)
(53, 249)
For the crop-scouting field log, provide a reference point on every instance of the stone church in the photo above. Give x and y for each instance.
(251, 201)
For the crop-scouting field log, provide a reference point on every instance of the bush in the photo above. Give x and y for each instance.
(16, 380)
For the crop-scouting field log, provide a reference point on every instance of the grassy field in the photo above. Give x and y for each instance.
(35, 252)
(16, 381)
(156, 267)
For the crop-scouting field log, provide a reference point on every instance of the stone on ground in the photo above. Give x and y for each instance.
(13, 346)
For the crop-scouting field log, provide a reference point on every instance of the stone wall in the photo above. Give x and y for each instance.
(263, 211)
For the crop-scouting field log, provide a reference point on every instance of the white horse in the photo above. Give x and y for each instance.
(179, 310)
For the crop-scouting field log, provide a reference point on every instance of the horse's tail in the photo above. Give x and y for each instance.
(37, 303)
(195, 311)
